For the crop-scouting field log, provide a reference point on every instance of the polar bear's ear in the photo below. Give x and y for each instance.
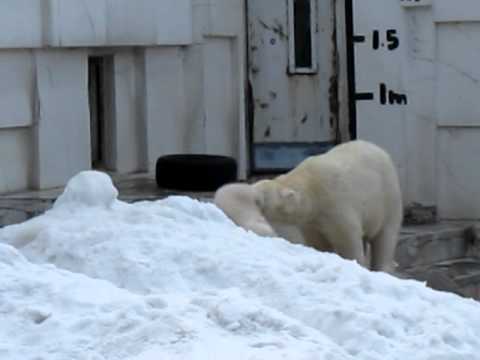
(290, 199)
(288, 194)
(259, 199)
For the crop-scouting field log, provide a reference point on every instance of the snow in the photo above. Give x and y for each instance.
(88, 188)
(96, 278)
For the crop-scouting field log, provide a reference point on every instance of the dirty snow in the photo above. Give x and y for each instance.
(99, 279)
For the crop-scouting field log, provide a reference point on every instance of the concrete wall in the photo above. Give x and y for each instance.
(15, 159)
(62, 133)
(434, 137)
(194, 94)
(57, 23)
(176, 84)
(16, 117)
(16, 88)
(128, 135)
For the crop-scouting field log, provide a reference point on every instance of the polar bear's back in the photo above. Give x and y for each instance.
(351, 161)
(356, 152)
(357, 173)
(366, 165)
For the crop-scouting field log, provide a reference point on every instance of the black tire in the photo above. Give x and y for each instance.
(195, 172)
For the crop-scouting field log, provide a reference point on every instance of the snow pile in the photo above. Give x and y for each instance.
(88, 188)
(176, 279)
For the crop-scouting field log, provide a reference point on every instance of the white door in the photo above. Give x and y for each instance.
(292, 81)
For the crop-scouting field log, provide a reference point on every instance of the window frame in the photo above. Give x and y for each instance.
(292, 67)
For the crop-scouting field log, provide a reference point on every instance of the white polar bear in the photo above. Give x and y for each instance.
(238, 202)
(339, 200)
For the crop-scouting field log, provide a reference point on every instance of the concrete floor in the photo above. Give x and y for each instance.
(19, 206)
(440, 254)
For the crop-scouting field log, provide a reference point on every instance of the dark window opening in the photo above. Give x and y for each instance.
(101, 104)
(302, 33)
(97, 109)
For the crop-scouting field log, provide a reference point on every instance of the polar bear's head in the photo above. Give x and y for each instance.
(237, 201)
(276, 201)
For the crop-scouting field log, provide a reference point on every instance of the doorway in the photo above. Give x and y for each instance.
(292, 75)
(100, 90)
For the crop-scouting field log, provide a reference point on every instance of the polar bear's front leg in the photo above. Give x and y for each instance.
(346, 237)
(314, 238)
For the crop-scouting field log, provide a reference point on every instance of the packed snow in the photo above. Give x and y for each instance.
(96, 278)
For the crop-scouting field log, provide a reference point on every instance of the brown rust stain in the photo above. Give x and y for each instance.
(333, 100)
(262, 104)
(333, 86)
(277, 28)
(304, 119)
(268, 132)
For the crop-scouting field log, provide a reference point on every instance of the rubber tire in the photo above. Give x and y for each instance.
(195, 172)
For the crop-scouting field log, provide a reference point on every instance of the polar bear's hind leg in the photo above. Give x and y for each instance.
(383, 248)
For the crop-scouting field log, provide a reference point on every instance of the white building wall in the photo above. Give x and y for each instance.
(15, 159)
(177, 81)
(21, 23)
(384, 125)
(16, 118)
(220, 79)
(457, 109)
(129, 131)
(16, 88)
(434, 138)
(62, 132)
(165, 101)
(81, 23)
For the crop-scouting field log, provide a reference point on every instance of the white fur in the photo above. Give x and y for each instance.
(238, 202)
(340, 199)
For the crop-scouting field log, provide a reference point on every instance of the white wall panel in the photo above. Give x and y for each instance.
(458, 173)
(15, 161)
(164, 102)
(21, 23)
(129, 145)
(78, 23)
(16, 88)
(435, 136)
(458, 71)
(62, 135)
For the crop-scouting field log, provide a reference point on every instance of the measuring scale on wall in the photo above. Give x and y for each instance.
(381, 94)
(417, 89)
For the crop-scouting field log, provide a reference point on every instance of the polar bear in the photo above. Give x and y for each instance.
(237, 201)
(341, 201)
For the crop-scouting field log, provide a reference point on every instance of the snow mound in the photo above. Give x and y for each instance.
(53, 314)
(181, 281)
(88, 188)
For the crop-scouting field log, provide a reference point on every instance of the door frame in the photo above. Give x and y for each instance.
(341, 90)
(350, 70)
